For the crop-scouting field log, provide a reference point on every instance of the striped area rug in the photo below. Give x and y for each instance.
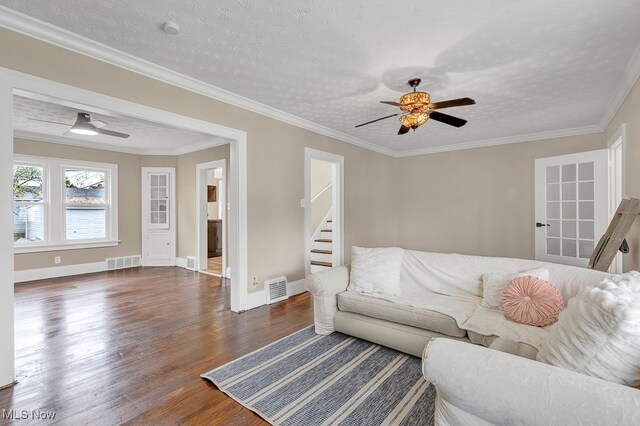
(306, 379)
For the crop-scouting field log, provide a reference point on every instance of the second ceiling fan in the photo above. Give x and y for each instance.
(416, 108)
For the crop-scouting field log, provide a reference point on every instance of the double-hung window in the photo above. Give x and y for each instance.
(64, 204)
(29, 204)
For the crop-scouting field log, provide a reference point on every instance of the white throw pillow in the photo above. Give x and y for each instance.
(494, 284)
(598, 333)
(376, 270)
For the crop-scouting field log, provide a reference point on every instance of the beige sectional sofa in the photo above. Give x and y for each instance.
(408, 326)
(496, 383)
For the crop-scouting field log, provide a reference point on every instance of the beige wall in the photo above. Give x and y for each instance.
(473, 201)
(275, 157)
(321, 174)
(129, 205)
(629, 113)
(186, 192)
(476, 201)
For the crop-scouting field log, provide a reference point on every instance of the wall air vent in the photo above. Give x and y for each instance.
(123, 262)
(191, 263)
(276, 289)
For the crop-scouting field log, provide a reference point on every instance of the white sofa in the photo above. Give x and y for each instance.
(475, 385)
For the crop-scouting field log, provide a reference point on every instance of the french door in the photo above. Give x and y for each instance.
(571, 205)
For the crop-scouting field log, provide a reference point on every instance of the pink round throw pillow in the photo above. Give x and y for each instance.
(531, 301)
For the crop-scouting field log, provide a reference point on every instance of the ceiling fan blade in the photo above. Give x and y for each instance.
(111, 133)
(447, 119)
(403, 129)
(390, 103)
(452, 103)
(378, 119)
(98, 123)
(52, 122)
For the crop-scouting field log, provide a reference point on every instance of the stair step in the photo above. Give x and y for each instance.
(321, 251)
(326, 230)
(323, 240)
(327, 264)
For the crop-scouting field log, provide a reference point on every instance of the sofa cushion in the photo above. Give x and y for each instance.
(531, 301)
(598, 333)
(513, 348)
(490, 322)
(480, 339)
(376, 270)
(350, 301)
(494, 284)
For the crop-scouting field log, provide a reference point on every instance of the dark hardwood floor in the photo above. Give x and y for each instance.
(128, 347)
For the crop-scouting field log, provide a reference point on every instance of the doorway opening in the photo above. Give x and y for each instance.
(211, 205)
(324, 226)
(15, 83)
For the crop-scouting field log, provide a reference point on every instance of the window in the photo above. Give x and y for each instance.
(63, 204)
(29, 204)
(85, 204)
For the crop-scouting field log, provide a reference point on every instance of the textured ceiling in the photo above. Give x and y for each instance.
(532, 66)
(144, 136)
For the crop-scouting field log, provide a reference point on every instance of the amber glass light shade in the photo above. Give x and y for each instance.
(414, 120)
(414, 101)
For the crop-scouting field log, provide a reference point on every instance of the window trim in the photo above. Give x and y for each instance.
(55, 217)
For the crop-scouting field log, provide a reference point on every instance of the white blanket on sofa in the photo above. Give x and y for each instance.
(452, 285)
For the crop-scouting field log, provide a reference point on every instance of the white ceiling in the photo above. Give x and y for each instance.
(145, 137)
(532, 66)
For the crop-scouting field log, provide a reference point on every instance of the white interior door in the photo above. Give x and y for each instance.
(571, 206)
(158, 216)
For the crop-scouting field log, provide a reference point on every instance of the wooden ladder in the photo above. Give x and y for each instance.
(613, 238)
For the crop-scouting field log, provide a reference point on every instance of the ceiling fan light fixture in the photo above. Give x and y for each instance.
(84, 129)
(414, 120)
(414, 101)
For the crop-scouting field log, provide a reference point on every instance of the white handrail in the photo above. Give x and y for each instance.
(321, 192)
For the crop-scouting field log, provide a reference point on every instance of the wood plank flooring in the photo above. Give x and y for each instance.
(128, 347)
(214, 265)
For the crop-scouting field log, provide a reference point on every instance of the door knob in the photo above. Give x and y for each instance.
(540, 225)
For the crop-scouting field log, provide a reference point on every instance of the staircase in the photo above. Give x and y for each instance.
(322, 247)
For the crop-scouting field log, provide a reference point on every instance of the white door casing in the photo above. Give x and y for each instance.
(158, 216)
(616, 145)
(571, 206)
(338, 205)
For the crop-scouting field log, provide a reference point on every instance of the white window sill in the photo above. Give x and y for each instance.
(66, 246)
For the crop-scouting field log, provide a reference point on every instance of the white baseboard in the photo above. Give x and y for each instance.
(256, 299)
(181, 262)
(259, 298)
(58, 271)
(295, 287)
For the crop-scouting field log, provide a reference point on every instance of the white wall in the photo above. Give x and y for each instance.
(6, 238)
(321, 175)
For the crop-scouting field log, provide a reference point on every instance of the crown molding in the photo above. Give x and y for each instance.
(46, 32)
(626, 83)
(62, 140)
(552, 134)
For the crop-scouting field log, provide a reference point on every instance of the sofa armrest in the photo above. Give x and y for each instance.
(505, 389)
(325, 286)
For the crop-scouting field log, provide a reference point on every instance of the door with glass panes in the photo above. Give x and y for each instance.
(158, 216)
(571, 206)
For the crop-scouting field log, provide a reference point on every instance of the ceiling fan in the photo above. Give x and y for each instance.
(416, 109)
(87, 127)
